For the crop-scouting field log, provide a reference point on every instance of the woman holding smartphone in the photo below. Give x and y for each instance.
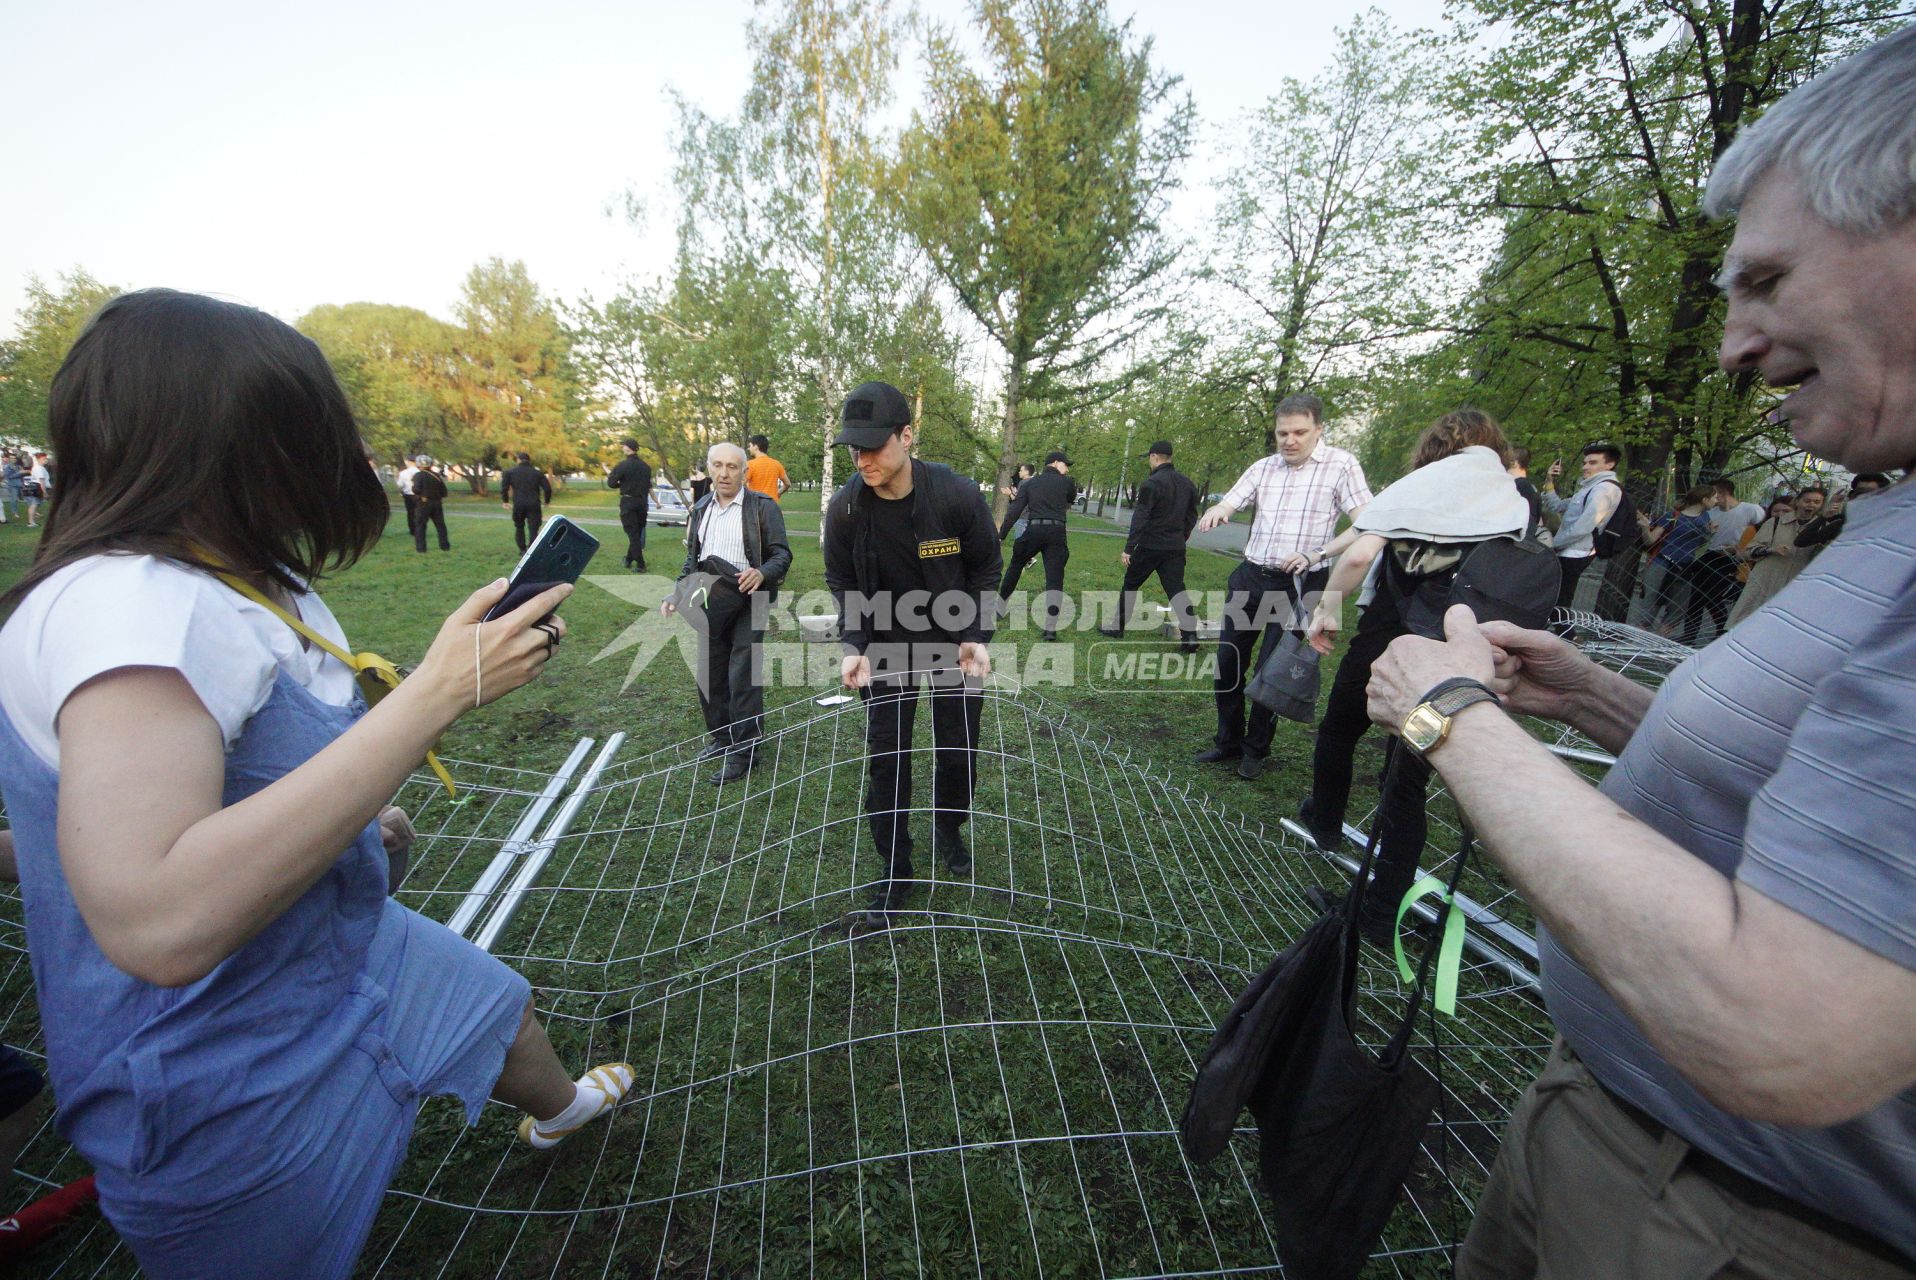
(240, 1023)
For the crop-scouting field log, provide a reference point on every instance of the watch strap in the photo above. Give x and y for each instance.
(1450, 696)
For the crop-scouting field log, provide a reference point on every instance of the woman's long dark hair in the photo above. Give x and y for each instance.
(184, 423)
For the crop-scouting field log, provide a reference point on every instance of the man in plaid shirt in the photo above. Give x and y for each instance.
(1300, 491)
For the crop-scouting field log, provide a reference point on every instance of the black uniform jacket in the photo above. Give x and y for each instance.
(524, 485)
(633, 479)
(1046, 496)
(1166, 513)
(957, 547)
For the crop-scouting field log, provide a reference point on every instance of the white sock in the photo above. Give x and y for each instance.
(584, 1105)
(593, 1094)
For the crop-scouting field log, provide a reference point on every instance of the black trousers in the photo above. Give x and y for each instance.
(434, 513)
(525, 524)
(633, 518)
(1713, 585)
(412, 512)
(1255, 593)
(1047, 540)
(1572, 568)
(891, 709)
(731, 669)
(1711, 577)
(1169, 566)
(1402, 827)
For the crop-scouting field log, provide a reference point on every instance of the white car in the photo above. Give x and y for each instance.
(667, 507)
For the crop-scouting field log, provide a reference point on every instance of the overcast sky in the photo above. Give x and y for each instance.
(292, 155)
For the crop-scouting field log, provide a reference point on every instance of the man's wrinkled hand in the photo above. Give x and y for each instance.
(750, 580)
(1536, 673)
(855, 670)
(1414, 665)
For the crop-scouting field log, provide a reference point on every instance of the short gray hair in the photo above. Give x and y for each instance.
(726, 444)
(1848, 137)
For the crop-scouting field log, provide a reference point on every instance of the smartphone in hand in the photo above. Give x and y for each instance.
(559, 554)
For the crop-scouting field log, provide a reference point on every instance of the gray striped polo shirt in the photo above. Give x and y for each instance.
(1785, 755)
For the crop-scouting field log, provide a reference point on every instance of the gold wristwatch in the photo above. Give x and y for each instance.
(1428, 724)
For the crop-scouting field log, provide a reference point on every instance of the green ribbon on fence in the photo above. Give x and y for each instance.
(1450, 948)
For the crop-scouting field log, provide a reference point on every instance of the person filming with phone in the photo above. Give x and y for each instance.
(736, 556)
(240, 1023)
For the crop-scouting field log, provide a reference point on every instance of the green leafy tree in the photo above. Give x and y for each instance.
(1036, 186)
(1334, 217)
(1597, 316)
(510, 385)
(629, 352)
(392, 362)
(821, 71)
(45, 329)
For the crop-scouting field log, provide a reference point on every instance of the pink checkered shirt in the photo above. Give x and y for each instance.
(1297, 507)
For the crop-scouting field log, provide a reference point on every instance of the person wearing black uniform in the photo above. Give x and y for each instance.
(429, 491)
(521, 489)
(633, 479)
(911, 560)
(735, 545)
(1161, 523)
(1041, 503)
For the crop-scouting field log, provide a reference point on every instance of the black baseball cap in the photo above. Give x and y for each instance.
(873, 413)
(1056, 455)
(1160, 447)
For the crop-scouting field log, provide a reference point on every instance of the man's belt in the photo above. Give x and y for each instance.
(1741, 1186)
(1031, 520)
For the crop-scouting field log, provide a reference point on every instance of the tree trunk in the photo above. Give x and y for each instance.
(1008, 449)
(827, 337)
(1673, 390)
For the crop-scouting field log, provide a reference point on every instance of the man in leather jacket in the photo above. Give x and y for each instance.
(735, 557)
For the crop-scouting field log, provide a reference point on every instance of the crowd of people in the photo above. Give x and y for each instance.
(240, 1021)
(26, 483)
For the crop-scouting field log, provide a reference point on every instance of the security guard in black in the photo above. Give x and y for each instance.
(633, 479)
(912, 574)
(1041, 503)
(1161, 523)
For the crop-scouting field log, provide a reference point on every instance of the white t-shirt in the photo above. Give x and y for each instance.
(124, 610)
(405, 479)
(1726, 527)
(40, 477)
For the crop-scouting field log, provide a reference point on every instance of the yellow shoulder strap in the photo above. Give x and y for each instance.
(376, 676)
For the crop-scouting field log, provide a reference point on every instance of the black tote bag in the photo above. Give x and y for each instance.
(1338, 1127)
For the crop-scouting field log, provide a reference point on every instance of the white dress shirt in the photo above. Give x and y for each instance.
(722, 533)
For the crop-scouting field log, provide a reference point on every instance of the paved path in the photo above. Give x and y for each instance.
(1228, 538)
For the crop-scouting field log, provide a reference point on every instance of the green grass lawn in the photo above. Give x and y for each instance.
(990, 1088)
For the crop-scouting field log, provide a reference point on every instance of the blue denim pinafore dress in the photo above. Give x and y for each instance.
(248, 1125)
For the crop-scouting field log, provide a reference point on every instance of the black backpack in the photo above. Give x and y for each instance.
(1619, 532)
(1504, 579)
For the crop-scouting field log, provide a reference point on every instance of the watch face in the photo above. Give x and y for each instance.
(1424, 728)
